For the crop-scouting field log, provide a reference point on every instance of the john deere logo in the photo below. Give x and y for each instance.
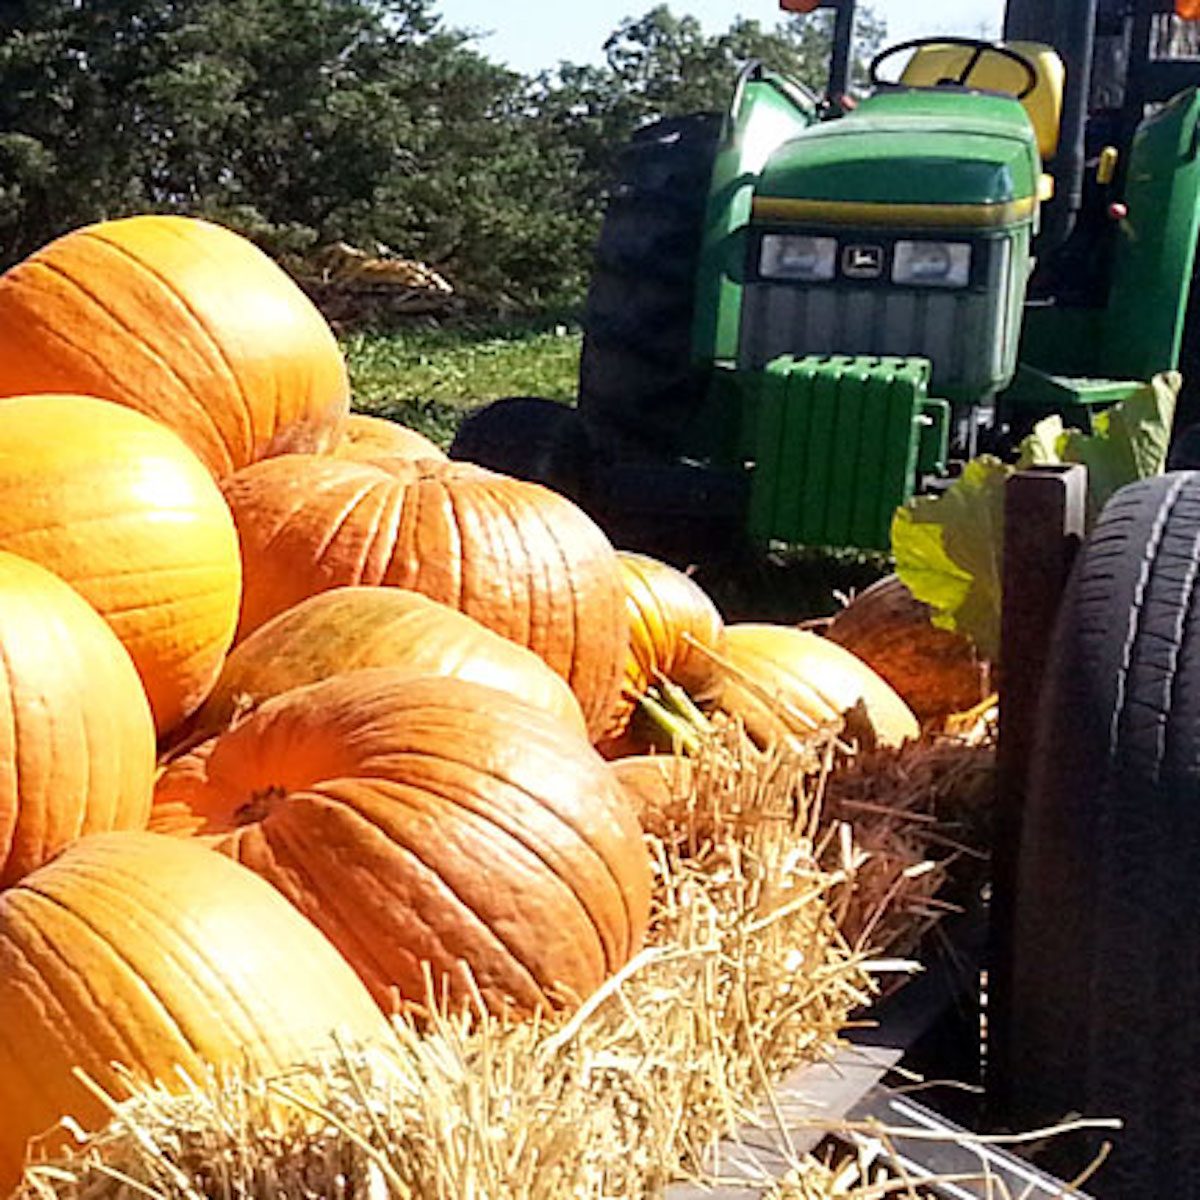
(862, 262)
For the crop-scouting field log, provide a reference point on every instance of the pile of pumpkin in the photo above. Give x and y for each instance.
(304, 724)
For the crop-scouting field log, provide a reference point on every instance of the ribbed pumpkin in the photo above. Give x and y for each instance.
(77, 750)
(185, 321)
(157, 954)
(350, 628)
(120, 508)
(669, 614)
(365, 438)
(814, 677)
(519, 558)
(428, 821)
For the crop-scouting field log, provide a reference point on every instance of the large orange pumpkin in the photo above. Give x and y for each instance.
(77, 750)
(159, 955)
(428, 822)
(350, 628)
(366, 438)
(814, 678)
(120, 508)
(185, 321)
(519, 558)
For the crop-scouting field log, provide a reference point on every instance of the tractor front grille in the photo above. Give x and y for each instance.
(969, 334)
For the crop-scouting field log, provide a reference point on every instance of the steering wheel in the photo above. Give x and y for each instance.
(979, 47)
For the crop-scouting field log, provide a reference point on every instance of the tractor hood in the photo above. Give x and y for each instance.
(908, 158)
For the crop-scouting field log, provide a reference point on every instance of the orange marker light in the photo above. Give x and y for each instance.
(1189, 10)
(807, 6)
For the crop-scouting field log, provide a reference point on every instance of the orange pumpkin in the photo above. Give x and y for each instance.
(185, 321)
(815, 680)
(77, 750)
(937, 671)
(670, 615)
(428, 822)
(350, 628)
(162, 956)
(366, 438)
(519, 558)
(119, 507)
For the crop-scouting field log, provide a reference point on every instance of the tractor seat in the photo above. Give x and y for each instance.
(932, 64)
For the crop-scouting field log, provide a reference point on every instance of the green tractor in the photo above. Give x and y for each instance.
(807, 309)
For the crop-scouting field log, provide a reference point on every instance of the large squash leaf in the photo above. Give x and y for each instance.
(948, 548)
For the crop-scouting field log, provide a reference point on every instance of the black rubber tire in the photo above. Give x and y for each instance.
(529, 437)
(1105, 990)
(637, 383)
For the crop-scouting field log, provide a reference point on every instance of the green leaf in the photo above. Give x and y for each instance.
(948, 552)
(948, 548)
(1043, 447)
(1130, 440)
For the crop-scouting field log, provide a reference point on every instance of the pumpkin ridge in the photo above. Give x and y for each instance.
(472, 919)
(475, 583)
(55, 331)
(520, 834)
(367, 535)
(507, 527)
(431, 560)
(457, 558)
(96, 1008)
(403, 839)
(362, 493)
(249, 442)
(382, 543)
(297, 874)
(211, 982)
(196, 403)
(553, 624)
(14, 722)
(11, 947)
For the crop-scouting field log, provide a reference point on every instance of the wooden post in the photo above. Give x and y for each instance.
(1045, 508)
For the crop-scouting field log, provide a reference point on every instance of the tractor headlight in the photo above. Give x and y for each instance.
(932, 264)
(797, 256)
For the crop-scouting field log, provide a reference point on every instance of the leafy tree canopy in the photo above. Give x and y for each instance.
(304, 122)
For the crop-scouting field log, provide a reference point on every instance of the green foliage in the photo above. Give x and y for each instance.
(306, 122)
(948, 552)
(948, 548)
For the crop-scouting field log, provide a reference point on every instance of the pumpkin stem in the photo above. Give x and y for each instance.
(259, 806)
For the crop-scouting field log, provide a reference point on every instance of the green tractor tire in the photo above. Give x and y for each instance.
(638, 386)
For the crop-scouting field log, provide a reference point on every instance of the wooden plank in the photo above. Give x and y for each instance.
(1045, 510)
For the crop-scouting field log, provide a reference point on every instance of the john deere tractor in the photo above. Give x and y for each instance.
(807, 308)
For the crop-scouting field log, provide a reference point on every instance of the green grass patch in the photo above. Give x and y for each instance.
(430, 379)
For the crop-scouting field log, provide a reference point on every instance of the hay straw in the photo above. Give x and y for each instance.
(747, 973)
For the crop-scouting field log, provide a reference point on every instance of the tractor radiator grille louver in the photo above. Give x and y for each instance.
(838, 443)
(961, 333)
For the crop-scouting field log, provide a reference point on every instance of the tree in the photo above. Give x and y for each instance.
(304, 122)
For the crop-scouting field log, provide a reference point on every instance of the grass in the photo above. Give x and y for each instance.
(429, 379)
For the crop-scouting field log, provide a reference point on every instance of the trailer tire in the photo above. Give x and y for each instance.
(637, 381)
(1105, 986)
(529, 437)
